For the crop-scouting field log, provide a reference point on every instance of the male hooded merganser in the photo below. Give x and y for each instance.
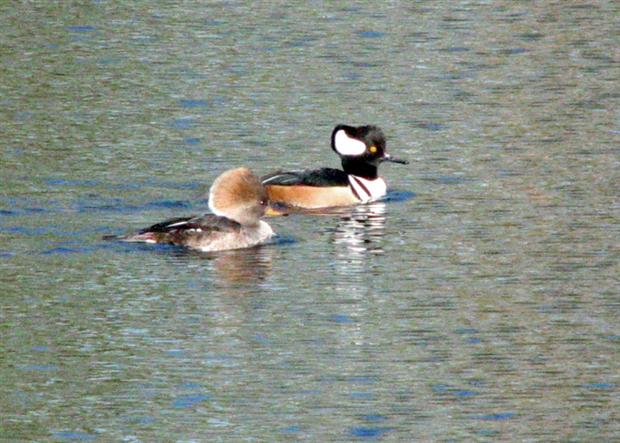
(361, 150)
(238, 201)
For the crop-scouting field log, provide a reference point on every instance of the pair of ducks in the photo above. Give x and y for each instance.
(238, 198)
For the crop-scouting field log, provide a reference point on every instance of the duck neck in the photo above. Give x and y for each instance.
(360, 168)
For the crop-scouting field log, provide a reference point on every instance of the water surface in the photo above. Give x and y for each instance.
(478, 302)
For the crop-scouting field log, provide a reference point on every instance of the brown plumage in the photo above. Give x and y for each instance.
(238, 201)
(312, 196)
(239, 195)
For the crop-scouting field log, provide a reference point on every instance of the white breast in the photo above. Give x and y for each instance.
(367, 190)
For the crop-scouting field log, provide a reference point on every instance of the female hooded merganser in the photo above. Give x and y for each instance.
(238, 201)
(361, 150)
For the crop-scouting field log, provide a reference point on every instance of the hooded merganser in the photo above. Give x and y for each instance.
(238, 201)
(361, 150)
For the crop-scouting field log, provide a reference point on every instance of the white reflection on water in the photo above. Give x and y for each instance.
(359, 230)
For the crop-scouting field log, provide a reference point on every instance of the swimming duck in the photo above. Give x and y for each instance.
(361, 150)
(238, 201)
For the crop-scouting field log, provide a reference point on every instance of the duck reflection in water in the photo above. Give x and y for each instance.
(359, 230)
(233, 267)
(247, 266)
(356, 241)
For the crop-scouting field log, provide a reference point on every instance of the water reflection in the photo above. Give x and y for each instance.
(356, 239)
(243, 265)
(229, 268)
(359, 230)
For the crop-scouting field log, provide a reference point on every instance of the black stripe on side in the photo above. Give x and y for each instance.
(357, 196)
(364, 188)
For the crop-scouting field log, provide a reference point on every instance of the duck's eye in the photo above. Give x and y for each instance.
(263, 202)
(372, 149)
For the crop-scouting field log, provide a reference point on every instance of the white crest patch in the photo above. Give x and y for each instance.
(367, 190)
(346, 145)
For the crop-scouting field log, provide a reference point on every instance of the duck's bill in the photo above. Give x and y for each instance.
(389, 158)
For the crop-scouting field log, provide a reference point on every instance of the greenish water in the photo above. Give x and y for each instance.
(479, 302)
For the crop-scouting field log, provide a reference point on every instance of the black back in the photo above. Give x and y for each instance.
(323, 177)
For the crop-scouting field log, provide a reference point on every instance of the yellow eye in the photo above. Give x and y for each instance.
(373, 149)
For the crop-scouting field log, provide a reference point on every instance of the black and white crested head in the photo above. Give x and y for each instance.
(361, 141)
(361, 149)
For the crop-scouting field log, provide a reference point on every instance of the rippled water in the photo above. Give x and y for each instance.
(480, 301)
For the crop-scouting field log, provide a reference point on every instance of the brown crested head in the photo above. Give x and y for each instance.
(239, 195)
